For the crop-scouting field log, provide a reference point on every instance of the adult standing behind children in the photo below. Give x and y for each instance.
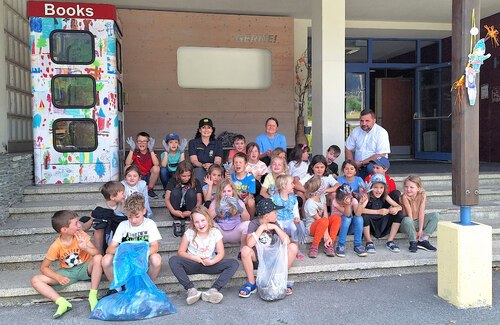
(204, 149)
(367, 142)
(143, 155)
(270, 140)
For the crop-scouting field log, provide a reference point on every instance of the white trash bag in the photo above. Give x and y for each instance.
(272, 274)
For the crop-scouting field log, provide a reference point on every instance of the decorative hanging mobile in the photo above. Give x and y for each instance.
(476, 58)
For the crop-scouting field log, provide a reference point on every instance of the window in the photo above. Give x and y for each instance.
(73, 91)
(74, 135)
(224, 68)
(394, 51)
(356, 51)
(119, 56)
(119, 95)
(72, 47)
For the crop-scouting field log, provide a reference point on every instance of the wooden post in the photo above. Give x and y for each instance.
(465, 118)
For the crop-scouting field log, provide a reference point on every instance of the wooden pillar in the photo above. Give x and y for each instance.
(465, 118)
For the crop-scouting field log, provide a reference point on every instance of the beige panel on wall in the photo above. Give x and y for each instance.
(156, 103)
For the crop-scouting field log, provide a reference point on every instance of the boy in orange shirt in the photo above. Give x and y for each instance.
(79, 259)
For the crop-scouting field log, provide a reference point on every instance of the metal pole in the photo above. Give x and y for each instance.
(465, 215)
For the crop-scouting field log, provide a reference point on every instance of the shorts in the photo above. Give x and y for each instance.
(74, 274)
(146, 177)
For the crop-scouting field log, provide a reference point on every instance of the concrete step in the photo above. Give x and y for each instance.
(444, 180)
(15, 284)
(32, 239)
(488, 183)
(45, 209)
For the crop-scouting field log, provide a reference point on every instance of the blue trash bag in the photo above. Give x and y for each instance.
(141, 298)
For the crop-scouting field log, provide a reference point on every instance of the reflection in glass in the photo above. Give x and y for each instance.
(394, 51)
(354, 99)
(70, 91)
(72, 135)
(356, 51)
(72, 47)
(435, 108)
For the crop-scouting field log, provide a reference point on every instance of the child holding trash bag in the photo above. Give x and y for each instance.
(289, 216)
(264, 231)
(136, 228)
(202, 252)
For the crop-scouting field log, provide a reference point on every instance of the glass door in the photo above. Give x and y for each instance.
(355, 99)
(432, 118)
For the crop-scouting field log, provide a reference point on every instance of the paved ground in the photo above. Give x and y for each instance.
(408, 299)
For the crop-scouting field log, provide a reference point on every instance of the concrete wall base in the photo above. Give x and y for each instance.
(464, 264)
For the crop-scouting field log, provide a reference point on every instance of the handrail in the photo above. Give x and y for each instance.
(431, 117)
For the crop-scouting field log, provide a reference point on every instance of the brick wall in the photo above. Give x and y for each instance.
(16, 172)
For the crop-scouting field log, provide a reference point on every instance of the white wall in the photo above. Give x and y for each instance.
(328, 75)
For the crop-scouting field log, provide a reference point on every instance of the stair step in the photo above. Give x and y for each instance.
(15, 284)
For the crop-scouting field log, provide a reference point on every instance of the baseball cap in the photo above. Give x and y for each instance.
(265, 206)
(381, 161)
(378, 178)
(205, 121)
(172, 136)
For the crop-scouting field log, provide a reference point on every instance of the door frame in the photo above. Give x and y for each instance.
(420, 154)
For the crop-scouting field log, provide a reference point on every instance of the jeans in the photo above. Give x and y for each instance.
(165, 176)
(354, 224)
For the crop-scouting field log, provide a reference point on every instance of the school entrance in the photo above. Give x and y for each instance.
(407, 83)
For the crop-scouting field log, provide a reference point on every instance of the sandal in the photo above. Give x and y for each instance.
(248, 288)
(289, 290)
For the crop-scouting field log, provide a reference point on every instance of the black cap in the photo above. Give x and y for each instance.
(265, 206)
(205, 121)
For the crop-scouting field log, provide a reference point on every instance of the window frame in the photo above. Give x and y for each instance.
(52, 40)
(73, 76)
(94, 123)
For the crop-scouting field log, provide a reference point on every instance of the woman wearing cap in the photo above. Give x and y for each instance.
(204, 149)
(270, 140)
(173, 155)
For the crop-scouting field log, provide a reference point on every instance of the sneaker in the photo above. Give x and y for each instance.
(313, 252)
(425, 245)
(360, 250)
(392, 246)
(370, 248)
(413, 246)
(212, 295)
(152, 194)
(300, 255)
(340, 251)
(329, 251)
(178, 229)
(193, 296)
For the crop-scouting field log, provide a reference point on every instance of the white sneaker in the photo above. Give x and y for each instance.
(193, 296)
(212, 295)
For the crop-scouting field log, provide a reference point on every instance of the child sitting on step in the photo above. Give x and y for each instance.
(79, 260)
(318, 223)
(202, 252)
(289, 216)
(420, 225)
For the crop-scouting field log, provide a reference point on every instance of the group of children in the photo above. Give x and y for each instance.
(240, 202)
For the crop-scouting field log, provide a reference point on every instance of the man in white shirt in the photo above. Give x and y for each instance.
(367, 142)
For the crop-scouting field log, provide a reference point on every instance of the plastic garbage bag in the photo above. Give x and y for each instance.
(141, 298)
(272, 274)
